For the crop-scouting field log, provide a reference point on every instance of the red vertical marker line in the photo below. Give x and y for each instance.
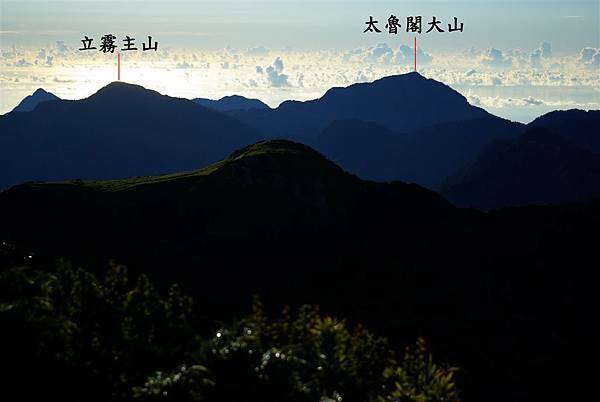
(119, 66)
(415, 51)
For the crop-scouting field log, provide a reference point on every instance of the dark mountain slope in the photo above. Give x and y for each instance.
(580, 127)
(437, 151)
(364, 148)
(400, 103)
(538, 167)
(425, 156)
(229, 103)
(122, 130)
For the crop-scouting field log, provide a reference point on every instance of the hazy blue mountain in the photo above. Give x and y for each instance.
(400, 103)
(580, 127)
(425, 156)
(122, 130)
(229, 103)
(30, 102)
(363, 148)
(538, 167)
(403, 127)
(435, 152)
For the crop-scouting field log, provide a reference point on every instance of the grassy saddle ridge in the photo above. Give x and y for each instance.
(268, 202)
(270, 181)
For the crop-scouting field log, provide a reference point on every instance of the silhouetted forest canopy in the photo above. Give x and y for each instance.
(115, 337)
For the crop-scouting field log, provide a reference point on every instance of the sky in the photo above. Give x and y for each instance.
(517, 59)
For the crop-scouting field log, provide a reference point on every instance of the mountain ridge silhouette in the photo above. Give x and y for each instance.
(122, 130)
(398, 102)
(538, 167)
(30, 102)
(231, 102)
(126, 130)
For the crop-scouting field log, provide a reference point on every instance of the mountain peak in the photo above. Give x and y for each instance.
(578, 126)
(402, 102)
(415, 78)
(121, 84)
(124, 92)
(40, 91)
(409, 75)
(272, 160)
(230, 103)
(232, 97)
(537, 167)
(122, 87)
(270, 148)
(30, 102)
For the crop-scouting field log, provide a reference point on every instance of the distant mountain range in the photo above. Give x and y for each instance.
(403, 127)
(580, 127)
(425, 156)
(538, 167)
(231, 103)
(399, 103)
(122, 130)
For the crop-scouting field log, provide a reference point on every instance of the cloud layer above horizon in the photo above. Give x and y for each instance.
(500, 80)
(518, 59)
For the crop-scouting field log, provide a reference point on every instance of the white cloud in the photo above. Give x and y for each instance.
(382, 53)
(275, 74)
(184, 65)
(500, 102)
(61, 80)
(474, 100)
(530, 100)
(361, 77)
(494, 58)
(258, 51)
(278, 64)
(61, 47)
(590, 57)
(406, 54)
(544, 51)
(23, 63)
(557, 80)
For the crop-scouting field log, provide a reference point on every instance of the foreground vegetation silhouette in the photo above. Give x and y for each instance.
(70, 334)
